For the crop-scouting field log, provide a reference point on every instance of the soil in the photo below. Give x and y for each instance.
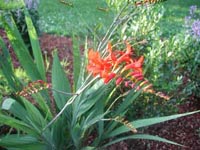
(185, 130)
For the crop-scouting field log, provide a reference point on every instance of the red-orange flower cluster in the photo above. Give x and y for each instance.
(119, 65)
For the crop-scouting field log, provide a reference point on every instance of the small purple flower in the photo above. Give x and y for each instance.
(193, 8)
(196, 28)
(187, 20)
(32, 4)
(6, 1)
(192, 23)
(18, 13)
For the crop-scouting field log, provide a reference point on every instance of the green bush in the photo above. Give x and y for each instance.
(19, 18)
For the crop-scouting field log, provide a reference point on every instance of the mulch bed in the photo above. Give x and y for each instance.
(184, 130)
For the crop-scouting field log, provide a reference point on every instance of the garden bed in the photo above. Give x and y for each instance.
(185, 130)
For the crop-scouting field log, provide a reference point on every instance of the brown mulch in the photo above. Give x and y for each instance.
(184, 130)
(63, 46)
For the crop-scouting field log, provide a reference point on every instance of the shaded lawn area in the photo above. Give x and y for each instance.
(174, 16)
(79, 17)
(85, 17)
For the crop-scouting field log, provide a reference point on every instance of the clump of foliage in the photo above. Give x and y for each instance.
(192, 22)
(191, 60)
(19, 18)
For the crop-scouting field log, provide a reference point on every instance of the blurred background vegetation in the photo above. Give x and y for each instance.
(78, 16)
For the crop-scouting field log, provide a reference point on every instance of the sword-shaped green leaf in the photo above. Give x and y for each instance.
(142, 136)
(147, 122)
(35, 45)
(59, 82)
(20, 48)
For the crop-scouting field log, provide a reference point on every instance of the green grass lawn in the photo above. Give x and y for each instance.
(80, 18)
(85, 17)
(174, 17)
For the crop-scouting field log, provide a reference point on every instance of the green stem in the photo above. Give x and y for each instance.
(70, 101)
(115, 22)
(65, 93)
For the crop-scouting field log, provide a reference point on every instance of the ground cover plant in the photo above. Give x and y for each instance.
(91, 112)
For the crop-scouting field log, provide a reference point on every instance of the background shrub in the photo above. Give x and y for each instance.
(19, 18)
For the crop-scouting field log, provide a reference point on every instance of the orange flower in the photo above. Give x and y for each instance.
(125, 57)
(111, 56)
(96, 64)
(99, 66)
(114, 65)
(108, 77)
(128, 48)
(136, 65)
(94, 56)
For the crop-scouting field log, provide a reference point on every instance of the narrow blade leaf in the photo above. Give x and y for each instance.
(76, 60)
(35, 45)
(21, 142)
(20, 48)
(19, 125)
(7, 67)
(143, 136)
(59, 82)
(148, 122)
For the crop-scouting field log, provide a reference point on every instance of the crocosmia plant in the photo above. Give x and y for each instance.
(122, 66)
